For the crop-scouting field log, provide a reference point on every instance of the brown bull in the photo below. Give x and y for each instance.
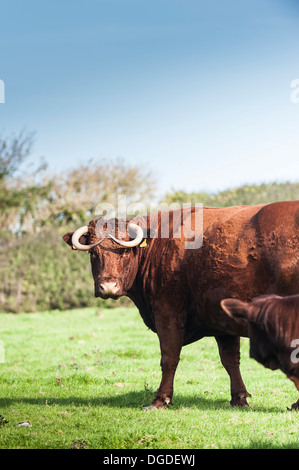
(247, 251)
(273, 329)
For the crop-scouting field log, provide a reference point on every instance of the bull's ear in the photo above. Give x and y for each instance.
(67, 237)
(236, 308)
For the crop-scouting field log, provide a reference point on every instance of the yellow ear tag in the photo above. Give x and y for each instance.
(143, 244)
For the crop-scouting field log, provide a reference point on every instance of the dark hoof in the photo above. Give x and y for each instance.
(295, 406)
(240, 400)
(157, 404)
(148, 408)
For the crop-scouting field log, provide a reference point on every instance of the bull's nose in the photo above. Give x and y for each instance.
(108, 288)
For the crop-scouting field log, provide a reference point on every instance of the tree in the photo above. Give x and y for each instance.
(28, 203)
(13, 152)
(19, 192)
(76, 194)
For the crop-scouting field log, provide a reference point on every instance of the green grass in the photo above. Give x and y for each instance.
(81, 376)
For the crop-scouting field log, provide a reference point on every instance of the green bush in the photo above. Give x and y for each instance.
(42, 272)
(248, 194)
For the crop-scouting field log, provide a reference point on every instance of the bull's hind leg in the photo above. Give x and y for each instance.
(229, 350)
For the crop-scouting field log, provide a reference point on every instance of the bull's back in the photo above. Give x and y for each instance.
(258, 242)
(247, 251)
(277, 227)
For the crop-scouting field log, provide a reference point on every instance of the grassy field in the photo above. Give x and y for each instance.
(81, 376)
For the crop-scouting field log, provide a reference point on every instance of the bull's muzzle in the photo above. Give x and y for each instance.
(107, 289)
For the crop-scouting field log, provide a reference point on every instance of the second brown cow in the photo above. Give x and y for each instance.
(273, 329)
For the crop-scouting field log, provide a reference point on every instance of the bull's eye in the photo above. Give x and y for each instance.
(127, 250)
(92, 254)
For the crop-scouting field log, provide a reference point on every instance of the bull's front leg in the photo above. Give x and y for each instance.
(229, 350)
(295, 406)
(171, 337)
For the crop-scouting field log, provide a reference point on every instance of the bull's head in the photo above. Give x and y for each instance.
(113, 261)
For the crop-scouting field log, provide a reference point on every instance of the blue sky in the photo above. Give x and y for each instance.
(197, 91)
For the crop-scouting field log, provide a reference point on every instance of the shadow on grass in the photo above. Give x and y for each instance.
(262, 444)
(133, 400)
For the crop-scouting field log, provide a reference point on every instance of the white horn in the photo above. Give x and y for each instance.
(76, 236)
(137, 240)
